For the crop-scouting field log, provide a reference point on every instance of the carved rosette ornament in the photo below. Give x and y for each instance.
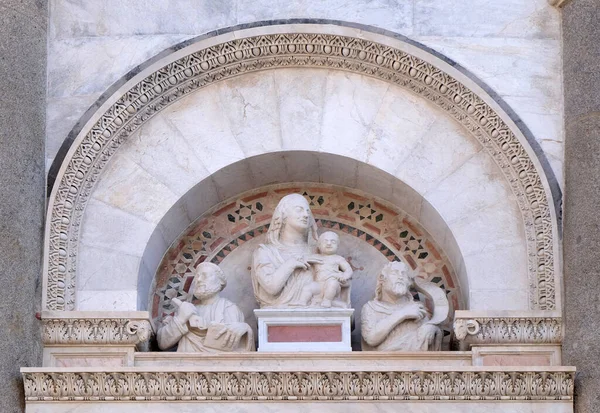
(283, 50)
(294, 386)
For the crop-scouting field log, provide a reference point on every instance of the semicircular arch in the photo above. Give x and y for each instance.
(237, 53)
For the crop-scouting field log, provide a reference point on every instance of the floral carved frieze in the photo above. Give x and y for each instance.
(98, 143)
(294, 386)
(508, 330)
(96, 331)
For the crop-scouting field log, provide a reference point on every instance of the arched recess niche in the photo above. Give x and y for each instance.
(372, 232)
(379, 93)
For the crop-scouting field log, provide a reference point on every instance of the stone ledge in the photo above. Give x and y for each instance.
(134, 384)
(96, 328)
(508, 327)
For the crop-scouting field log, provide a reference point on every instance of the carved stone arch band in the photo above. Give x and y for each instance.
(222, 56)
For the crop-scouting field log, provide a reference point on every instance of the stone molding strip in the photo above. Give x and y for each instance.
(136, 385)
(264, 48)
(90, 328)
(507, 327)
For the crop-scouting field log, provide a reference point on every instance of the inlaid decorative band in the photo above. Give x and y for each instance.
(244, 55)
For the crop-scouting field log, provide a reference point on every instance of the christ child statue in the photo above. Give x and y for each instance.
(331, 272)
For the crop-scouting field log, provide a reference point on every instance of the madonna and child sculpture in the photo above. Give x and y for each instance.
(287, 272)
(214, 325)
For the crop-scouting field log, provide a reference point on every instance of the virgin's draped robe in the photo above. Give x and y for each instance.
(409, 335)
(265, 261)
(191, 339)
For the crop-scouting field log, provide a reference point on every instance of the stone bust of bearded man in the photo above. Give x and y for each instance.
(394, 321)
(214, 324)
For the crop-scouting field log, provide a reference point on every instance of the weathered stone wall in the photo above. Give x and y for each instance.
(581, 48)
(22, 108)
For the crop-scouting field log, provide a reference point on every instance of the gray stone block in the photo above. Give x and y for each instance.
(581, 53)
(581, 243)
(22, 109)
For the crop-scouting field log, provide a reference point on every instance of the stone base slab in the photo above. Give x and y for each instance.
(303, 407)
(306, 329)
(517, 355)
(308, 361)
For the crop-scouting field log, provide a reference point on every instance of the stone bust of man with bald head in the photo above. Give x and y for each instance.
(394, 321)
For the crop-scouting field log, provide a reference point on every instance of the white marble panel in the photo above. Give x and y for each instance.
(251, 104)
(506, 18)
(102, 269)
(127, 186)
(443, 148)
(375, 181)
(175, 221)
(493, 299)
(84, 66)
(111, 228)
(474, 186)
(303, 166)
(395, 15)
(102, 300)
(201, 197)
(304, 407)
(61, 116)
(409, 199)
(301, 95)
(74, 18)
(159, 149)
(201, 120)
(526, 74)
(233, 180)
(351, 104)
(338, 170)
(402, 120)
(271, 172)
(485, 230)
(501, 269)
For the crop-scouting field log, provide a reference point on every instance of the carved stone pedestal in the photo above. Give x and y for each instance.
(308, 329)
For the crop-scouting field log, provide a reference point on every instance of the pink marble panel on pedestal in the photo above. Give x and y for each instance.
(305, 334)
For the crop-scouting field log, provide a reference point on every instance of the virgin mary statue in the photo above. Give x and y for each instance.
(282, 267)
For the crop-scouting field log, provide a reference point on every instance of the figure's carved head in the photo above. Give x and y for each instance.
(293, 212)
(328, 243)
(395, 278)
(208, 281)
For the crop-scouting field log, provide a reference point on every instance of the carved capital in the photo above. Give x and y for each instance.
(85, 328)
(507, 328)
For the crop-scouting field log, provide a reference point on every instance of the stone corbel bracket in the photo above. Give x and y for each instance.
(90, 328)
(508, 327)
(134, 384)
